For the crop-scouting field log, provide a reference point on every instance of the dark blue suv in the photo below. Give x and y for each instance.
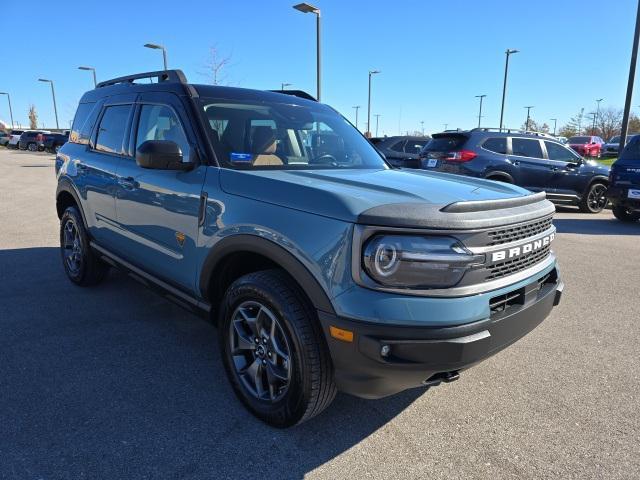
(624, 191)
(531, 160)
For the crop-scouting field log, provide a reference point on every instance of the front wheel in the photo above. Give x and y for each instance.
(81, 264)
(273, 349)
(32, 147)
(624, 214)
(595, 200)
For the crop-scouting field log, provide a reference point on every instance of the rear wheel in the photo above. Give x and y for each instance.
(594, 201)
(81, 264)
(32, 147)
(273, 349)
(624, 214)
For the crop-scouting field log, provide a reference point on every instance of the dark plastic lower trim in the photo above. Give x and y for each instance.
(418, 353)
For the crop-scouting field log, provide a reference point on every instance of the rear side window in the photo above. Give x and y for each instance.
(83, 123)
(524, 147)
(497, 145)
(445, 143)
(414, 146)
(631, 153)
(112, 128)
(558, 152)
(397, 147)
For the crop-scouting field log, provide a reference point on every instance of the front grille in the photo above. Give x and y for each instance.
(518, 232)
(509, 267)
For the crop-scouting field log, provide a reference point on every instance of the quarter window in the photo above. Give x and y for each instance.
(83, 123)
(556, 151)
(497, 145)
(159, 122)
(112, 128)
(524, 147)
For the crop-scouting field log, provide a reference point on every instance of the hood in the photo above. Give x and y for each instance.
(349, 194)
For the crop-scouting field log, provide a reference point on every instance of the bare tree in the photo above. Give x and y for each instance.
(33, 117)
(535, 126)
(609, 122)
(216, 65)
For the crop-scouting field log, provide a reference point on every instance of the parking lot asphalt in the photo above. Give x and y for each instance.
(115, 382)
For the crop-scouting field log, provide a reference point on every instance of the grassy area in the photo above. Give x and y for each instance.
(607, 161)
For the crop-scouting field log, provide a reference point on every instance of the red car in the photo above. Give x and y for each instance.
(587, 146)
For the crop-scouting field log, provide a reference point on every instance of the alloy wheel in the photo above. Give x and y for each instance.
(260, 351)
(72, 247)
(596, 199)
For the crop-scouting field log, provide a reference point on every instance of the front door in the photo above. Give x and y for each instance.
(158, 209)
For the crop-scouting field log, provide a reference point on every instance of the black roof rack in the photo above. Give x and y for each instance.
(512, 130)
(161, 76)
(296, 93)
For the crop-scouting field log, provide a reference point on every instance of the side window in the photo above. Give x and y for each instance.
(414, 146)
(398, 146)
(497, 145)
(112, 128)
(525, 147)
(159, 122)
(82, 114)
(556, 151)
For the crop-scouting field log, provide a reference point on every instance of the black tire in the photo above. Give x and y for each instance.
(500, 179)
(85, 268)
(32, 147)
(594, 200)
(310, 386)
(624, 214)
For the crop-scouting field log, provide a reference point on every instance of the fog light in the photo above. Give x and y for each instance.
(385, 350)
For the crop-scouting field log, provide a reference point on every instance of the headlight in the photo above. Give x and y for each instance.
(417, 262)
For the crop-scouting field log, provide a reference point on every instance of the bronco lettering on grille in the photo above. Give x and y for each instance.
(522, 249)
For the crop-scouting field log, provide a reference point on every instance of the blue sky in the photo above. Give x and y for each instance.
(434, 56)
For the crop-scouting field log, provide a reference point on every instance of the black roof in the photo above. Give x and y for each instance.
(174, 81)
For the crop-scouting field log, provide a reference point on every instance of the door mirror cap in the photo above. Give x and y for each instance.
(161, 155)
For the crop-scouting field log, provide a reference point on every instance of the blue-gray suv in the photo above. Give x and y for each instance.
(324, 268)
(535, 161)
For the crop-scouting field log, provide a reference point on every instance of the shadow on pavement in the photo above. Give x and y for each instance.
(115, 382)
(593, 225)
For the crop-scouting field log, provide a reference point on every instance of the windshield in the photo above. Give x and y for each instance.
(285, 136)
(580, 140)
(615, 139)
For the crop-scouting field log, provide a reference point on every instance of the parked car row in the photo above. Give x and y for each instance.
(34, 140)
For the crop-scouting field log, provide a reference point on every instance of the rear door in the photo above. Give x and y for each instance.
(96, 164)
(534, 171)
(158, 210)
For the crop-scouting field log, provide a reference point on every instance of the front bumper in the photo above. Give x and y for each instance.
(420, 354)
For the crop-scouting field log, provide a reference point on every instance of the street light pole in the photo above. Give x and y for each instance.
(10, 111)
(368, 134)
(445, 126)
(526, 126)
(282, 85)
(155, 46)
(632, 75)
(93, 70)
(53, 94)
(480, 112)
(595, 119)
(555, 122)
(357, 107)
(508, 53)
(422, 125)
(307, 8)
(377, 115)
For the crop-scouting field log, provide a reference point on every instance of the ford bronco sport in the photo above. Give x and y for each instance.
(324, 268)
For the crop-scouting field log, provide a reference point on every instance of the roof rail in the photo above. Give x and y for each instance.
(161, 76)
(512, 130)
(295, 93)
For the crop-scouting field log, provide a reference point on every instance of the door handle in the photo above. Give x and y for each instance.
(127, 182)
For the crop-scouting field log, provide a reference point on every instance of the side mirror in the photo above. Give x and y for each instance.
(161, 155)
